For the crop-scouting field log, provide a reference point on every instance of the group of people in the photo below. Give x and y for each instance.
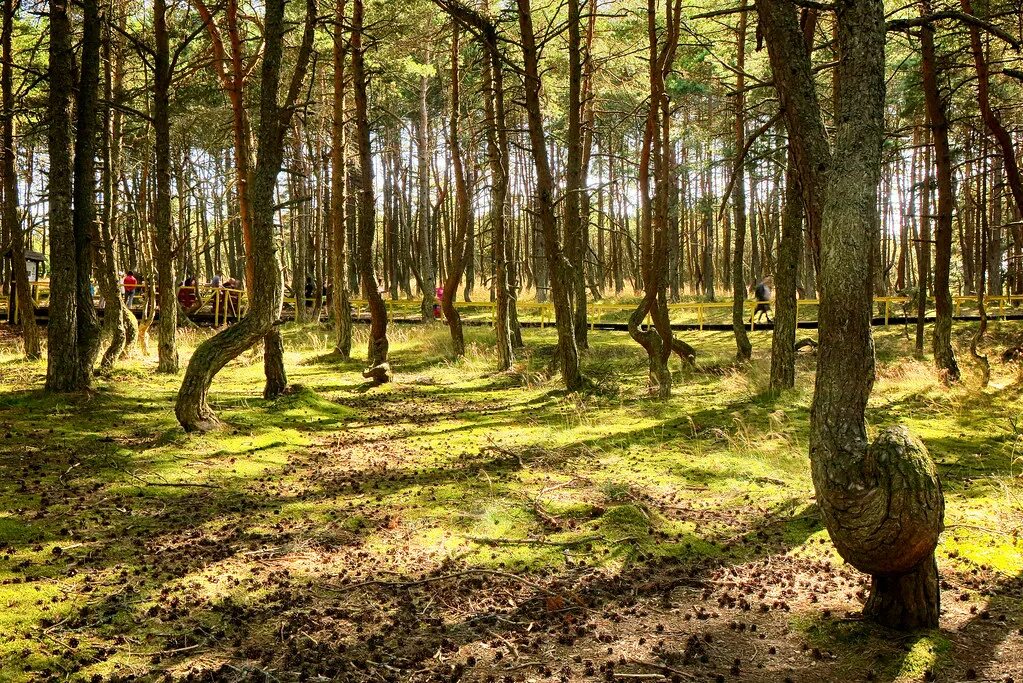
(225, 292)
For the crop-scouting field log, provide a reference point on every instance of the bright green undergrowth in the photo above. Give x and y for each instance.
(103, 499)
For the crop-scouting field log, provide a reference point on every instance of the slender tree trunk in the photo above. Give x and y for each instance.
(924, 250)
(165, 281)
(575, 249)
(119, 324)
(560, 270)
(783, 341)
(944, 355)
(427, 268)
(25, 304)
(461, 237)
(744, 350)
(992, 121)
(497, 155)
(339, 193)
(378, 345)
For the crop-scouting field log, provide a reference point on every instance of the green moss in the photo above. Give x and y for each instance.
(453, 463)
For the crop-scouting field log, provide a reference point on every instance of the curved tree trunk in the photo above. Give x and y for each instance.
(944, 355)
(378, 344)
(881, 503)
(192, 409)
(461, 239)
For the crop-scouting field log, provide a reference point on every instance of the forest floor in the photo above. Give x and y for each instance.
(461, 524)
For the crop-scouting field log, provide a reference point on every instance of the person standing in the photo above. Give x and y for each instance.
(129, 288)
(763, 294)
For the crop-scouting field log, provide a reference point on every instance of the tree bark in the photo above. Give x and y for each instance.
(881, 503)
(427, 268)
(378, 344)
(26, 306)
(167, 351)
(64, 371)
(461, 239)
(944, 355)
(497, 156)
(991, 119)
(575, 246)
(192, 409)
(743, 348)
(783, 339)
(339, 194)
(560, 269)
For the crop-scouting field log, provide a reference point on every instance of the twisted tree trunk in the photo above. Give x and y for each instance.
(267, 287)
(882, 503)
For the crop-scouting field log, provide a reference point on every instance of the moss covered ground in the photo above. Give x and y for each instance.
(462, 524)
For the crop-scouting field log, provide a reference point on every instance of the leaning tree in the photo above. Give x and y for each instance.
(881, 502)
(267, 286)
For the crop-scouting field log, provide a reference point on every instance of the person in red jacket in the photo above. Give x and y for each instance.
(129, 287)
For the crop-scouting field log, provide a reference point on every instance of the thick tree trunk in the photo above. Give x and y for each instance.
(560, 270)
(881, 503)
(64, 372)
(339, 194)
(944, 355)
(378, 345)
(25, 304)
(167, 351)
(86, 139)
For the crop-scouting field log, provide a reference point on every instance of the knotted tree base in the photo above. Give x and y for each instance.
(379, 374)
(906, 601)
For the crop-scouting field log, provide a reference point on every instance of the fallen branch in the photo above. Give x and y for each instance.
(440, 577)
(663, 669)
(183, 483)
(487, 540)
